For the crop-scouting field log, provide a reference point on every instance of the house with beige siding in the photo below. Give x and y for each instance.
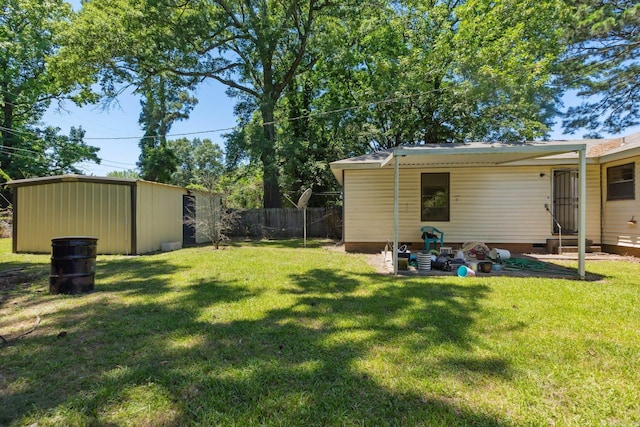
(521, 197)
(128, 216)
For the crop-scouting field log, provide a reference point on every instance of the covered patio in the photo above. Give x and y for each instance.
(488, 155)
(524, 265)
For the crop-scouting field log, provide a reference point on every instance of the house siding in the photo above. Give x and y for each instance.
(617, 234)
(159, 215)
(61, 209)
(498, 205)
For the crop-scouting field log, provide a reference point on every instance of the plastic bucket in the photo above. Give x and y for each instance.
(424, 261)
(464, 271)
(499, 254)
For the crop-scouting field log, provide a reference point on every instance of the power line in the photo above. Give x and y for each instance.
(108, 163)
(290, 119)
(355, 107)
(6, 148)
(26, 156)
(16, 131)
(160, 136)
(11, 150)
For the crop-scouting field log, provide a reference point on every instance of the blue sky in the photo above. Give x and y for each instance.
(116, 131)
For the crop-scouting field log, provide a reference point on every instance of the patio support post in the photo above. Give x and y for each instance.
(582, 211)
(396, 187)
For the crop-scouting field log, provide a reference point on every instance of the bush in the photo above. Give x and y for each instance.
(6, 217)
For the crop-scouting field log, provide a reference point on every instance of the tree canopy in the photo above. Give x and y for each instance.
(602, 65)
(317, 80)
(253, 47)
(198, 162)
(448, 71)
(29, 34)
(164, 102)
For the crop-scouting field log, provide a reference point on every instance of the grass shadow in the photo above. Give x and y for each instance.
(281, 243)
(293, 365)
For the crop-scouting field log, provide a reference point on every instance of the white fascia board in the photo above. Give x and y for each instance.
(527, 154)
(534, 150)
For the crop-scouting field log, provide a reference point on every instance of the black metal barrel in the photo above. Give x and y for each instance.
(73, 264)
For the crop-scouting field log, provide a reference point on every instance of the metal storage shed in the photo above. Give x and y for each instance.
(128, 216)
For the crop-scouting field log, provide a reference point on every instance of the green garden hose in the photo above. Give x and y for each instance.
(523, 264)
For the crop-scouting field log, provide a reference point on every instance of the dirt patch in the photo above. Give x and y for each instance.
(378, 261)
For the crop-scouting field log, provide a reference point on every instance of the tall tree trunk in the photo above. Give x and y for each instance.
(163, 127)
(272, 198)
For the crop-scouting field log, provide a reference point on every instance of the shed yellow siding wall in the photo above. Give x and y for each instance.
(616, 230)
(158, 215)
(74, 209)
(500, 204)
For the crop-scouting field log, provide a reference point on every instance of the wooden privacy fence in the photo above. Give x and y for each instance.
(288, 223)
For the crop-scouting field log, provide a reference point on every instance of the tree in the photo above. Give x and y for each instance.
(163, 103)
(242, 180)
(603, 66)
(305, 144)
(41, 152)
(129, 174)
(254, 47)
(257, 48)
(386, 72)
(242, 187)
(29, 35)
(448, 71)
(198, 161)
(61, 153)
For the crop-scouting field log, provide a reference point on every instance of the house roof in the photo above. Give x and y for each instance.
(494, 154)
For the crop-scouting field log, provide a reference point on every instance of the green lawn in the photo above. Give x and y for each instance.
(274, 334)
